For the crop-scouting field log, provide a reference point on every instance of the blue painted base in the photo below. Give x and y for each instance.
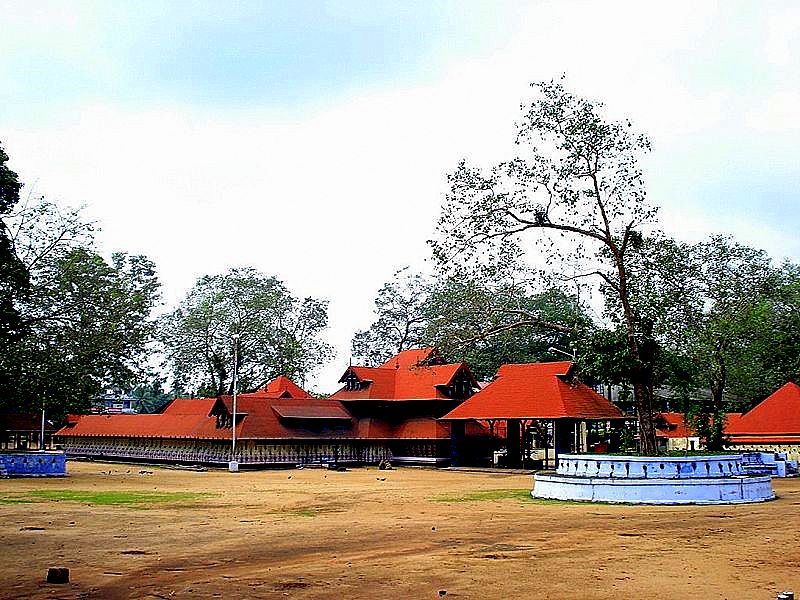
(33, 464)
(652, 480)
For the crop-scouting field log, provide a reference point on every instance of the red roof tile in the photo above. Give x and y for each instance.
(283, 387)
(409, 358)
(317, 411)
(673, 425)
(777, 416)
(411, 381)
(535, 391)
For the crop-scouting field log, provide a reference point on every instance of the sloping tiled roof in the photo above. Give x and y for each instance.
(408, 381)
(172, 426)
(423, 428)
(673, 425)
(319, 410)
(261, 415)
(409, 358)
(535, 391)
(283, 387)
(778, 415)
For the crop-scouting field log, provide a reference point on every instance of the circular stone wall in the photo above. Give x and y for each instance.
(652, 480)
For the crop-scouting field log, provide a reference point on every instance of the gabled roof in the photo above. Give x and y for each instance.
(283, 387)
(409, 375)
(535, 391)
(413, 382)
(777, 415)
(411, 358)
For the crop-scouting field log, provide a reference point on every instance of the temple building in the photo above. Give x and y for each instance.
(771, 426)
(542, 407)
(673, 433)
(386, 412)
(401, 401)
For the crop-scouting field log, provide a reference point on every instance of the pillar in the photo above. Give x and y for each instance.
(457, 434)
(513, 450)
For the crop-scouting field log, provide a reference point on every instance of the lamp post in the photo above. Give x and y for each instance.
(233, 465)
(41, 439)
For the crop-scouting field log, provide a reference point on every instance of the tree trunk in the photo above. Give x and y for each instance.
(716, 419)
(643, 400)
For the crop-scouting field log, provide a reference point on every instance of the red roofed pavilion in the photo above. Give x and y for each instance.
(543, 396)
(771, 426)
(404, 397)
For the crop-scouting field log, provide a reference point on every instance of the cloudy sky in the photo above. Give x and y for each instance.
(311, 139)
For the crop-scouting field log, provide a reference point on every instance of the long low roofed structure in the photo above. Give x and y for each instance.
(386, 412)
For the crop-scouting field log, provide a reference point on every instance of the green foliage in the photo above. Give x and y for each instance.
(13, 274)
(401, 319)
(279, 333)
(88, 324)
(469, 320)
(87, 321)
(490, 325)
(151, 396)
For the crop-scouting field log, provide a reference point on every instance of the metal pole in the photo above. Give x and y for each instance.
(235, 391)
(41, 439)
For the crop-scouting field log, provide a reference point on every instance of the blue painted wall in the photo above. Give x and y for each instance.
(34, 464)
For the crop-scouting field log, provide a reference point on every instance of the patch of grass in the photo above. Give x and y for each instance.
(7, 500)
(505, 494)
(303, 512)
(521, 495)
(109, 498)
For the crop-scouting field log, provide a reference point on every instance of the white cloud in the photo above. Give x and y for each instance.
(335, 199)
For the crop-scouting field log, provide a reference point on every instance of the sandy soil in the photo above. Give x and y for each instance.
(319, 534)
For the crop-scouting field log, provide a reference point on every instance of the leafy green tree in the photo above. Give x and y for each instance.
(13, 274)
(401, 319)
(86, 321)
(150, 395)
(706, 305)
(771, 353)
(279, 333)
(576, 177)
(88, 325)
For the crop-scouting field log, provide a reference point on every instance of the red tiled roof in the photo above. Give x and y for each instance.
(283, 387)
(183, 426)
(535, 391)
(410, 381)
(778, 416)
(408, 358)
(673, 425)
(424, 428)
(317, 411)
(189, 406)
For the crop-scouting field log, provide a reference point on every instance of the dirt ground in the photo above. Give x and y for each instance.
(382, 534)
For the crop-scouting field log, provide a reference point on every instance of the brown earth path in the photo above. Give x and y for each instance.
(320, 534)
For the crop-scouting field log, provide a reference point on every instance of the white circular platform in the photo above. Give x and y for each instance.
(652, 480)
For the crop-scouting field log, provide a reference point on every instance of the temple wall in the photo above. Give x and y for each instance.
(792, 450)
(33, 464)
(248, 452)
